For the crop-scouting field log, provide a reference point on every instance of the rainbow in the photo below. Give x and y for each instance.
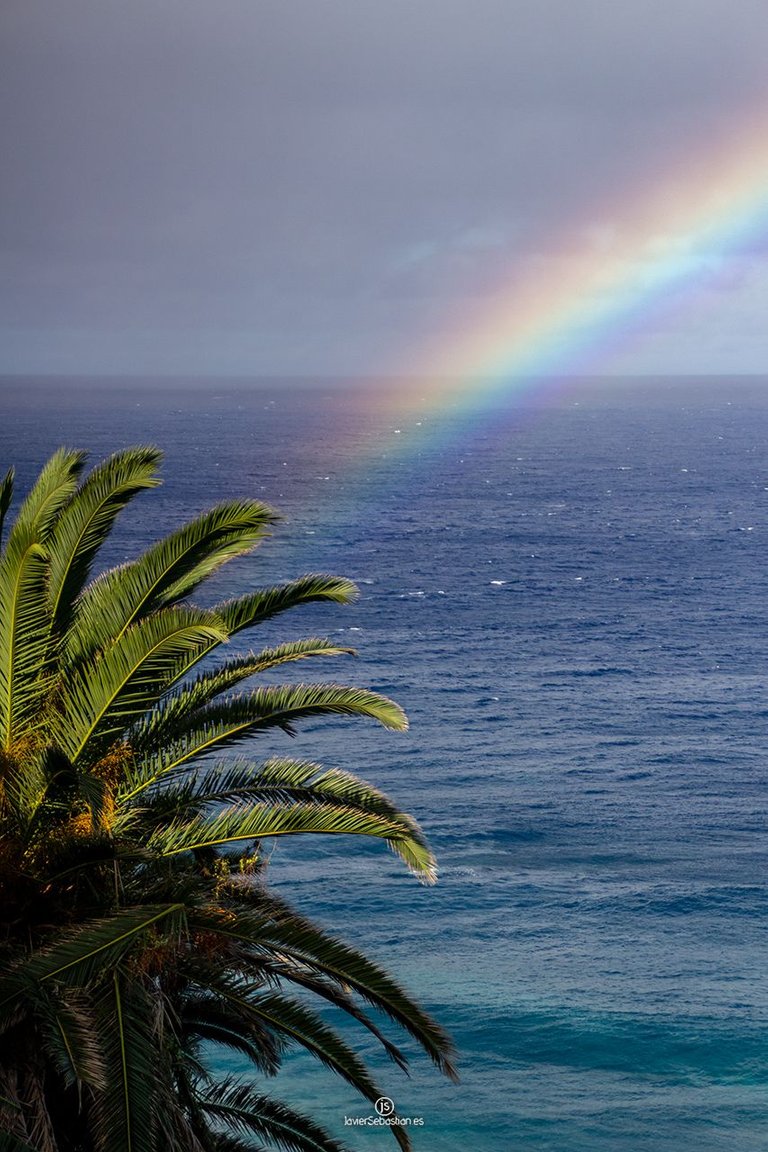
(675, 233)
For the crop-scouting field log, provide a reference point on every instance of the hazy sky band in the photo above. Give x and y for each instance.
(246, 188)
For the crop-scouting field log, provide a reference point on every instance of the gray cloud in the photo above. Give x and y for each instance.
(296, 185)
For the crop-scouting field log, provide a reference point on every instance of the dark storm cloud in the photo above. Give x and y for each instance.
(267, 186)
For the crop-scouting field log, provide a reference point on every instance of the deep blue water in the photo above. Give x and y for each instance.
(570, 604)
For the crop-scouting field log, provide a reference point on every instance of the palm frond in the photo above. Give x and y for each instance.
(125, 1111)
(306, 1029)
(234, 1103)
(165, 573)
(6, 496)
(23, 785)
(219, 1020)
(223, 724)
(37, 1125)
(181, 1125)
(101, 698)
(287, 779)
(71, 1034)
(190, 791)
(280, 784)
(259, 821)
(86, 521)
(50, 492)
(264, 603)
(271, 924)
(257, 607)
(24, 624)
(83, 955)
(56, 789)
(286, 1017)
(47, 790)
(164, 720)
(284, 971)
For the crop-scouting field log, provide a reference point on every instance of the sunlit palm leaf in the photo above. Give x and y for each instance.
(166, 572)
(24, 623)
(221, 725)
(164, 721)
(100, 699)
(257, 607)
(256, 821)
(265, 603)
(22, 792)
(86, 521)
(50, 492)
(278, 784)
(290, 780)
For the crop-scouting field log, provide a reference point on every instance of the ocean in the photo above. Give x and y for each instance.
(569, 600)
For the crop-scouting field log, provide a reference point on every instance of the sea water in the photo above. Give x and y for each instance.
(570, 603)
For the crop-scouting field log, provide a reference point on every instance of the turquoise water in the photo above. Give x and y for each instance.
(570, 604)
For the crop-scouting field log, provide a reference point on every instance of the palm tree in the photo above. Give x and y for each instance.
(139, 935)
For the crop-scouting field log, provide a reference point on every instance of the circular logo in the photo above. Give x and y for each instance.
(384, 1106)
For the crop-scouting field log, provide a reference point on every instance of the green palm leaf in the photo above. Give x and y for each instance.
(165, 720)
(277, 780)
(24, 622)
(234, 1103)
(53, 488)
(223, 724)
(289, 779)
(86, 521)
(262, 605)
(83, 955)
(258, 821)
(257, 607)
(102, 697)
(282, 785)
(271, 925)
(125, 1112)
(167, 572)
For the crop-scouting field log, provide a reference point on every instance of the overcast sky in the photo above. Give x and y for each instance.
(299, 186)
